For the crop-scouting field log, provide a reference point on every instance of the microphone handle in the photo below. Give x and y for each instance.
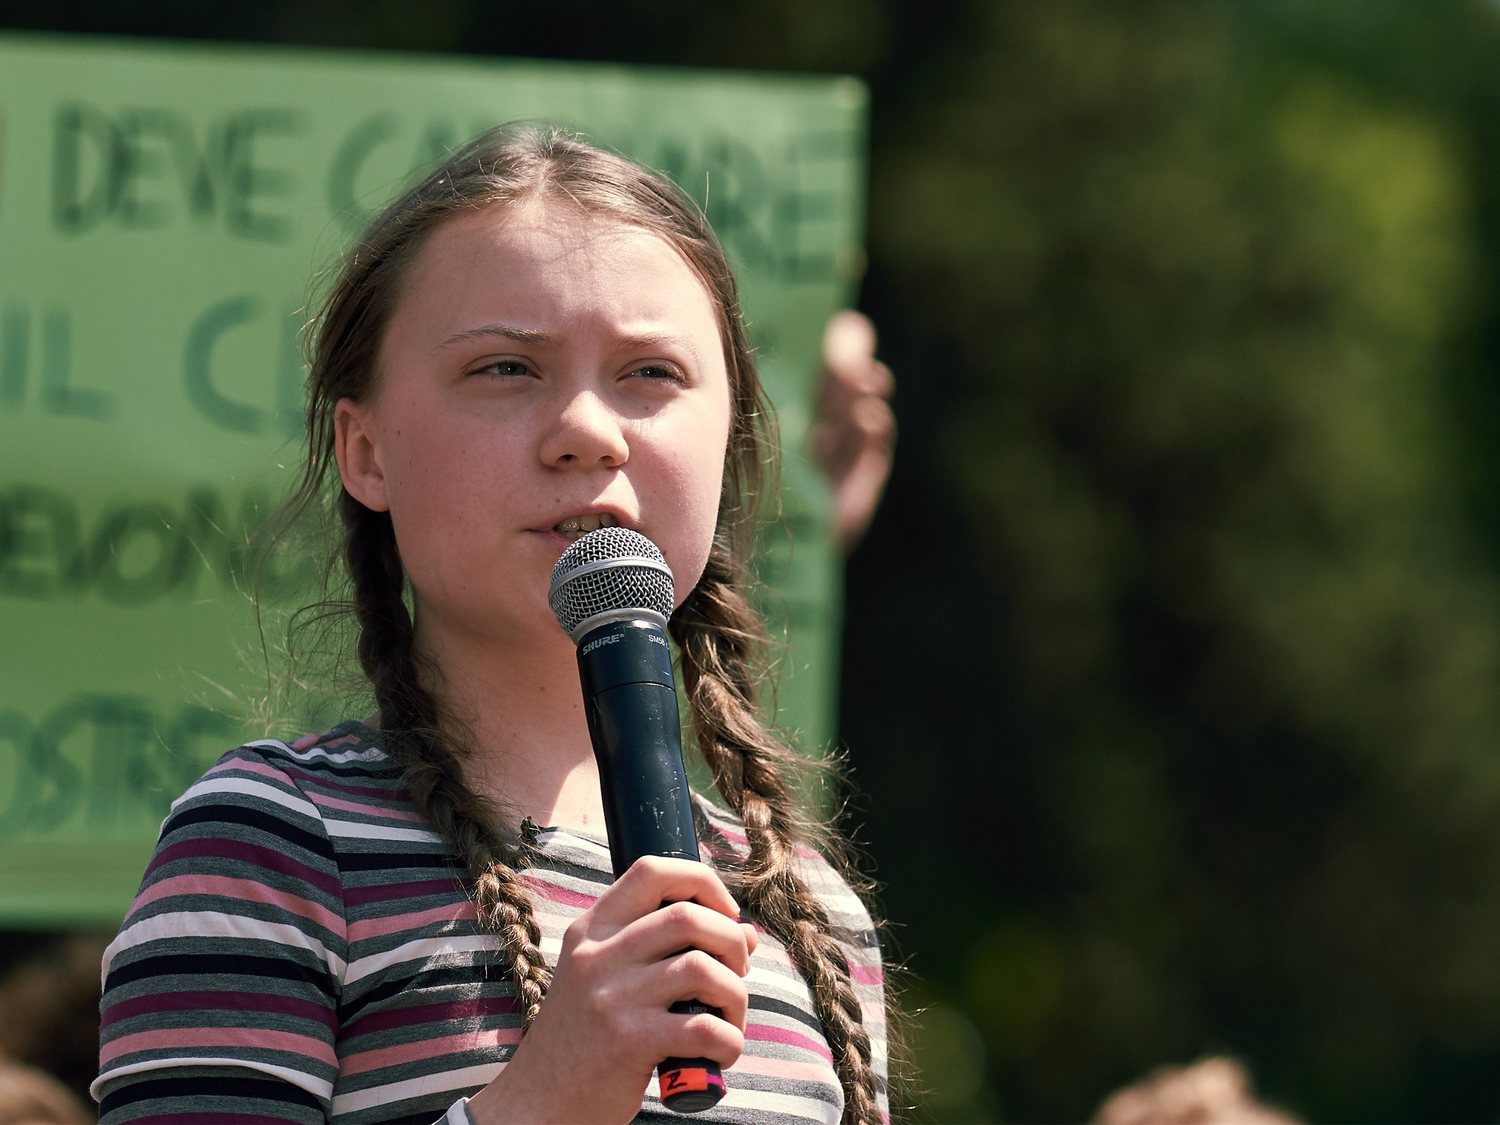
(630, 699)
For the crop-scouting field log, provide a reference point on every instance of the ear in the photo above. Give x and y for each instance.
(356, 447)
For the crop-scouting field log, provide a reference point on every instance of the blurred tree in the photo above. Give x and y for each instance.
(1216, 641)
(1188, 740)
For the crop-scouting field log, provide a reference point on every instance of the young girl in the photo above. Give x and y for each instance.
(369, 925)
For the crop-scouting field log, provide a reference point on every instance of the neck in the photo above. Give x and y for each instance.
(530, 751)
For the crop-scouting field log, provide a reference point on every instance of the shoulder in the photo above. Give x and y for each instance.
(348, 752)
(305, 798)
(290, 774)
(266, 844)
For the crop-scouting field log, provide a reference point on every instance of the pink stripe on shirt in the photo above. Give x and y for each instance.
(244, 765)
(767, 1034)
(364, 809)
(199, 1042)
(458, 910)
(482, 1039)
(197, 848)
(783, 1068)
(241, 890)
(554, 893)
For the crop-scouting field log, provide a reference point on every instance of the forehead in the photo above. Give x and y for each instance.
(552, 250)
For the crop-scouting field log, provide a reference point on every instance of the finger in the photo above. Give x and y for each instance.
(686, 925)
(694, 975)
(868, 378)
(861, 445)
(874, 421)
(848, 342)
(653, 880)
(852, 372)
(880, 380)
(697, 1035)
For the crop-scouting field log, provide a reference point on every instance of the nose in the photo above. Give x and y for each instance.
(585, 431)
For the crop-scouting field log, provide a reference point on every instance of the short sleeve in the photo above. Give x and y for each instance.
(221, 991)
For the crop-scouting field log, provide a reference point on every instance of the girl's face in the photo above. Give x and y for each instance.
(542, 372)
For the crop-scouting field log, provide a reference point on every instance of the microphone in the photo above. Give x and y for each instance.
(611, 591)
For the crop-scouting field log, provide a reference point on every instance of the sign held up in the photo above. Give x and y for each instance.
(165, 212)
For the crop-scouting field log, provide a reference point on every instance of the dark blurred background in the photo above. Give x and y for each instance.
(1171, 660)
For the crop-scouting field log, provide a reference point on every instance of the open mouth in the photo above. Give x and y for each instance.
(575, 526)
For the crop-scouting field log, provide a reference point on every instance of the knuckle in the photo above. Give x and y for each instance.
(587, 961)
(578, 935)
(645, 869)
(680, 917)
(649, 863)
(696, 965)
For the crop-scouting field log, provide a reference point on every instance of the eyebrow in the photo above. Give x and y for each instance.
(520, 335)
(536, 337)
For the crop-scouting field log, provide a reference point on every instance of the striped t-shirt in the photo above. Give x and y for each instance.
(303, 948)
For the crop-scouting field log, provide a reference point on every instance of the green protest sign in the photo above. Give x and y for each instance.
(162, 211)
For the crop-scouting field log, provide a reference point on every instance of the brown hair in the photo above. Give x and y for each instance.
(718, 633)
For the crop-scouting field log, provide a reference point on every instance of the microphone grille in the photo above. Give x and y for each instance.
(607, 571)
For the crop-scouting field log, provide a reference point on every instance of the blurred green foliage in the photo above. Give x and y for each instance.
(1214, 627)
(1172, 659)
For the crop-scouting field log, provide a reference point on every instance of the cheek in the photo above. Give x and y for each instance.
(429, 459)
(426, 486)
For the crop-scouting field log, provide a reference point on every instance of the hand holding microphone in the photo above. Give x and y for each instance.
(612, 593)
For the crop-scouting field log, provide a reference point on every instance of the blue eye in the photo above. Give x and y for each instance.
(505, 368)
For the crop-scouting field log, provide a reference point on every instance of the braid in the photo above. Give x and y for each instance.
(409, 720)
(720, 636)
(717, 630)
